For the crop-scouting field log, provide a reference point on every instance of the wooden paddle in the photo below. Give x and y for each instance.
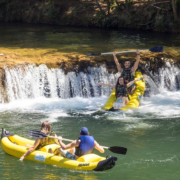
(153, 49)
(114, 149)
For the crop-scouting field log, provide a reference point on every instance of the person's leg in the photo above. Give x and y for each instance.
(133, 89)
(29, 146)
(67, 154)
(115, 105)
(50, 151)
(71, 151)
(57, 152)
(124, 101)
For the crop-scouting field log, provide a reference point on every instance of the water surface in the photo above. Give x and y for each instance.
(150, 133)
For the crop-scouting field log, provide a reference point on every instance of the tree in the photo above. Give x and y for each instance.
(126, 4)
(117, 3)
(99, 6)
(174, 10)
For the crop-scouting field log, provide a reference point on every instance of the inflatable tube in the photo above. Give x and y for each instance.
(134, 99)
(15, 145)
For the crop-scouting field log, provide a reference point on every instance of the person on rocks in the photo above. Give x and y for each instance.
(41, 142)
(121, 90)
(128, 72)
(85, 144)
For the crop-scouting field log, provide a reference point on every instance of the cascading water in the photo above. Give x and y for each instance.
(30, 81)
(167, 78)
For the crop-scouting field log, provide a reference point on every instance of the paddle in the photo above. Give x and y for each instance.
(114, 149)
(153, 49)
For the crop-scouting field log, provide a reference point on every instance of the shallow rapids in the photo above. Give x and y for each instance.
(163, 105)
(36, 93)
(150, 133)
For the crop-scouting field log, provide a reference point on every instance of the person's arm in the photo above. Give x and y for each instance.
(134, 68)
(31, 149)
(68, 146)
(56, 140)
(117, 63)
(104, 84)
(98, 147)
(130, 83)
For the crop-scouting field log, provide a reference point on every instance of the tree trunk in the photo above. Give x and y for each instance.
(99, 6)
(174, 10)
(126, 4)
(117, 2)
(108, 6)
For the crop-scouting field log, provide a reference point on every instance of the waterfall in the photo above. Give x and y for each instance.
(166, 78)
(31, 81)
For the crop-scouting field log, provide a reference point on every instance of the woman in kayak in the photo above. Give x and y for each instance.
(41, 142)
(121, 90)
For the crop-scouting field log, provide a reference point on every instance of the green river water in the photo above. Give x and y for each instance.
(151, 134)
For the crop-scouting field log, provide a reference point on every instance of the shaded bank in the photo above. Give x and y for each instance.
(150, 15)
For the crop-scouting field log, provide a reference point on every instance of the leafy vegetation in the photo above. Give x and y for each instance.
(102, 13)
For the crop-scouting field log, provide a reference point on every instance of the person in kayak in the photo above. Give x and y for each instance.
(121, 91)
(39, 143)
(128, 72)
(85, 144)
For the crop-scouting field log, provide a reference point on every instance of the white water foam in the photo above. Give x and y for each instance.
(166, 104)
(29, 87)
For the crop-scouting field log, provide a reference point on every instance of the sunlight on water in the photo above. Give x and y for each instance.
(73, 100)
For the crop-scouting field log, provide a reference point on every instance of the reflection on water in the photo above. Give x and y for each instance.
(40, 44)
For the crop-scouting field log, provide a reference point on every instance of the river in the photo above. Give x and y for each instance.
(150, 133)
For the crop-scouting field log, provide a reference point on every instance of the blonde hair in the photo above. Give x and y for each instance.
(45, 127)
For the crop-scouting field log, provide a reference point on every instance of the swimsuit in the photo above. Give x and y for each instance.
(121, 90)
(119, 100)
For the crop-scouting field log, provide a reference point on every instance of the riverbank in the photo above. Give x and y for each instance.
(146, 15)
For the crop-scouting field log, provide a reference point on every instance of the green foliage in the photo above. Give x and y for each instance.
(75, 13)
(130, 1)
(8, 7)
(178, 4)
(100, 18)
(113, 5)
(169, 5)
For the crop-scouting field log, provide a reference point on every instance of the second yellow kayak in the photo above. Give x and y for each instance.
(134, 99)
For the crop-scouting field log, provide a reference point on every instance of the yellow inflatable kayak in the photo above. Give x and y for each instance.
(15, 145)
(134, 99)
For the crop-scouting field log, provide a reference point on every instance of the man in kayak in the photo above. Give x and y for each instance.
(128, 72)
(85, 144)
